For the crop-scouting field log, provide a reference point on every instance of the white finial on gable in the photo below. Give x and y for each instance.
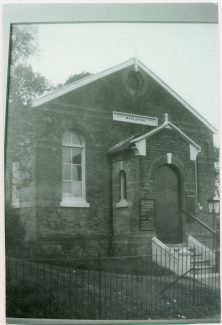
(166, 117)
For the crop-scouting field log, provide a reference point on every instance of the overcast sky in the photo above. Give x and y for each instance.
(185, 56)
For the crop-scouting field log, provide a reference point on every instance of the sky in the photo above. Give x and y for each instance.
(185, 56)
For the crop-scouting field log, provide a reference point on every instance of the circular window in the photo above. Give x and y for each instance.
(133, 82)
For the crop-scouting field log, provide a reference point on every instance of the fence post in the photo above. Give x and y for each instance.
(194, 274)
(99, 266)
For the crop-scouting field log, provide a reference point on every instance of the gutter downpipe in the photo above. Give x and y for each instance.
(111, 231)
(196, 180)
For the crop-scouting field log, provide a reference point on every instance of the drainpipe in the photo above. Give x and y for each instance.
(111, 231)
(196, 180)
(196, 183)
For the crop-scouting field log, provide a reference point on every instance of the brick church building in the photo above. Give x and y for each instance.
(117, 158)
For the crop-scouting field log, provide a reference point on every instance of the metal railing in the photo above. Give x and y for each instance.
(127, 287)
(215, 237)
(203, 224)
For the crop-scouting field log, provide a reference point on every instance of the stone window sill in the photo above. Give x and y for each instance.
(122, 204)
(75, 204)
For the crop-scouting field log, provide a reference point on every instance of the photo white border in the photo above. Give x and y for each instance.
(41, 12)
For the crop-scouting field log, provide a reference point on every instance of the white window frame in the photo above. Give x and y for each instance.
(77, 201)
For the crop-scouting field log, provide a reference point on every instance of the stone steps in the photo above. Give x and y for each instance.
(203, 268)
(181, 260)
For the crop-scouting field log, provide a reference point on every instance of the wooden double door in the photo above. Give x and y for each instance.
(169, 227)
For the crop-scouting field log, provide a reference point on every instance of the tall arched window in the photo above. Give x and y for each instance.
(122, 181)
(73, 170)
(122, 190)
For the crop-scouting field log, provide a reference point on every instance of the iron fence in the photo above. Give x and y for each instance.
(127, 287)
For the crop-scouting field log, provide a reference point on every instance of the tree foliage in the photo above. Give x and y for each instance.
(23, 44)
(24, 83)
(75, 77)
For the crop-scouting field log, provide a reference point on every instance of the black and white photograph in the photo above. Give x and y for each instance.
(112, 190)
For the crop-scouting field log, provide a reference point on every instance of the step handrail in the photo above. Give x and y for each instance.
(200, 222)
(177, 279)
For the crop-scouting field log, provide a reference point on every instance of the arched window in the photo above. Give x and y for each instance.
(122, 181)
(122, 190)
(73, 170)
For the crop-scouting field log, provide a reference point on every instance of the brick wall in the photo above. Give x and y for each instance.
(140, 175)
(89, 111)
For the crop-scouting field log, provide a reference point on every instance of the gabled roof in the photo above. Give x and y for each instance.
(133, 61)
(121, 146)
(129, 143)
(166, 124)
(80, 83)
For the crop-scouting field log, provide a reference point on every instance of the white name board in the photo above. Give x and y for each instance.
(133, 118)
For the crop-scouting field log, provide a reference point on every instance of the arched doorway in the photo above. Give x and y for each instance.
(168, 205)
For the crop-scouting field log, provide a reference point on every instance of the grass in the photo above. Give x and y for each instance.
(134, 265)
(37, 290)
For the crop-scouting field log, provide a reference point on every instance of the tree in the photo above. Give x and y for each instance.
(23, 44)
(24, 84)
(75, 77)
